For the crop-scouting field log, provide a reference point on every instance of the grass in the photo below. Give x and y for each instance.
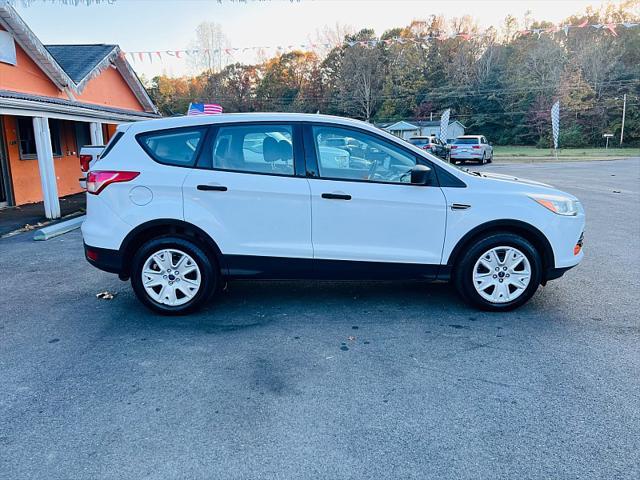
(505, 152)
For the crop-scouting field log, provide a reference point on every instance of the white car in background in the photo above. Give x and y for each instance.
(471, 147)
(88, 156)
(179, 205)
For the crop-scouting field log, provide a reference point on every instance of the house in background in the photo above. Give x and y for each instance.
(423, 128)
(53, 100)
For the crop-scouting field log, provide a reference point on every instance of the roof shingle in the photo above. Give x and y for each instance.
(79, 60)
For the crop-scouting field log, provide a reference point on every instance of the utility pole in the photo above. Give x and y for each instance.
(624, 111)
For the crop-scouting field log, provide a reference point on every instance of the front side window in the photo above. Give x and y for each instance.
(264, 149)
(363, 157)
(176, 147)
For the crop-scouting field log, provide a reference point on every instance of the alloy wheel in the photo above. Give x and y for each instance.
(171, 277)
(501, 274)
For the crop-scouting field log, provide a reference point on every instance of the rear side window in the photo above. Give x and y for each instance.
(266, 149)
(112, 143)
(176, 147)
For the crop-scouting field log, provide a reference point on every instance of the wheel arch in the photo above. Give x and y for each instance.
(166, 226)
(518, 227)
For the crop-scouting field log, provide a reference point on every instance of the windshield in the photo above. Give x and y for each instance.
(420, 142)
(466, 141)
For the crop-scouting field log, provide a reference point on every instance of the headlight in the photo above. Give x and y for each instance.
(557, 204)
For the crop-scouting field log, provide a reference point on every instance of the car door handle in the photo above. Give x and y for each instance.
(336, 196)
(212, 188)
(459, 206)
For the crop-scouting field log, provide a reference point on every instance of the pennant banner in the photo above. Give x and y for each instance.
(420, 42)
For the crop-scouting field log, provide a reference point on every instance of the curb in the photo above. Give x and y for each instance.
(58, 228)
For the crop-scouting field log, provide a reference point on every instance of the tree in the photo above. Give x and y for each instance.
(209, 48)
(499, 82)
(362, 75)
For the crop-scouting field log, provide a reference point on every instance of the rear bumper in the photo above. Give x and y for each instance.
(104, 259)
(466, 156)
(554, 273)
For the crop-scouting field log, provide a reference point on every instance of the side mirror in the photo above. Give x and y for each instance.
(420, 175)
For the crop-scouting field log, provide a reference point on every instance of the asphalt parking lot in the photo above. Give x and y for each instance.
(329, 379)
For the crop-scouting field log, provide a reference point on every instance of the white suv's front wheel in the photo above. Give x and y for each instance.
(500, 272)
(173, 275)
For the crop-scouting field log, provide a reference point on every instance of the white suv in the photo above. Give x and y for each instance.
(471, 147)
(179, 205)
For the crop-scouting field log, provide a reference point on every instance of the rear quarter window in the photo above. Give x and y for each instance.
(112, 143)
(177, 147)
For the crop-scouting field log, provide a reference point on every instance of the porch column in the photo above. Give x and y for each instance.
(44, 151)
(96, 133)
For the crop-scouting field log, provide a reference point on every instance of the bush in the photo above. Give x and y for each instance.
(572, 137)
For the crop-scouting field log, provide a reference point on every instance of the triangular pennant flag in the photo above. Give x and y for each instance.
(612, 28)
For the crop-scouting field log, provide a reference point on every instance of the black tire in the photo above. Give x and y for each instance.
(463, 271)
(484, 159)
(209, 274)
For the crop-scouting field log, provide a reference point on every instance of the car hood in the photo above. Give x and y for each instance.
(512, 179)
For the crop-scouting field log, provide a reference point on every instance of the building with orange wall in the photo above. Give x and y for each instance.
(53, 100)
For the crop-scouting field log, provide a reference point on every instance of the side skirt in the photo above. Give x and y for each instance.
(257, 267)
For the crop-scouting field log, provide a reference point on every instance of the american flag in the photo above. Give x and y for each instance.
(204, 109)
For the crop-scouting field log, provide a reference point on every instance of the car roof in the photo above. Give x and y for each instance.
(421, 137)
(470, 136)
(198, 120)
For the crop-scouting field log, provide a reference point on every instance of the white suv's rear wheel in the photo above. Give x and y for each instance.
(499, 272)
(173, 275)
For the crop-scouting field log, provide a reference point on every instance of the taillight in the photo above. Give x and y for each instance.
(453, 146)
(98, 180)
(84, 162)
(476, 146)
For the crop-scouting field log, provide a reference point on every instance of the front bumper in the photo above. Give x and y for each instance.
(104, 259)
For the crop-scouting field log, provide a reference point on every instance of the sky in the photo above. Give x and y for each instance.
(151, 25)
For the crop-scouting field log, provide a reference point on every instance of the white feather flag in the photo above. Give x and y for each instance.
(444, 125)
(555, 123)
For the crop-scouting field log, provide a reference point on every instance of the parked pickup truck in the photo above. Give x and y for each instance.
(88, 155)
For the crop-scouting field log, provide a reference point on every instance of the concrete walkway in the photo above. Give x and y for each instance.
(13, 218)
